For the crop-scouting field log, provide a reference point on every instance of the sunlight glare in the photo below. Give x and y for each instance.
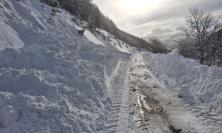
(138, 7)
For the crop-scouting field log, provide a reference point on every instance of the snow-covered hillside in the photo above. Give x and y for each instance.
(51, 78)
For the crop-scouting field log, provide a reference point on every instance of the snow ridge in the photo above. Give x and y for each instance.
(52, 79)
(199, 86)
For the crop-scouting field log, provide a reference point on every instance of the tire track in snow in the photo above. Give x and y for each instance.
(118, 114)
(148, 114)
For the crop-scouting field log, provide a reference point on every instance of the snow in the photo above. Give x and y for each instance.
(118, 91)
(53, 80)
(92, 38)
(198, 85)
(1, 3)
(109, 76)
(116, 43)
(8, 115)
(9, 37)
(88, 34)
(123, 124)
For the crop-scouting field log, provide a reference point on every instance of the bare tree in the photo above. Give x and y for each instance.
(201, 25)
(158, 45)
(186, 48)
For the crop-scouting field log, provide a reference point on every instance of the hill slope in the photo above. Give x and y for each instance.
(52, 79)
(86, 10)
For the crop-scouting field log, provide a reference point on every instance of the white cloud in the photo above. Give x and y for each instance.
(169, 15)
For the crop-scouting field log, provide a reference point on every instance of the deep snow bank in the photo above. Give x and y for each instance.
(9, 37)
(197, 84)
(51, 78)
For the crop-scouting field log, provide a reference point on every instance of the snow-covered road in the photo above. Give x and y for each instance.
(142, 104)
(160, 101)
(118, 116)
(52, 80)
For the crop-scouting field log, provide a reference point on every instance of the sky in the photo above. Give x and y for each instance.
(158, 18)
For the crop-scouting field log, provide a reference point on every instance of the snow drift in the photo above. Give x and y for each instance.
(196, 84)
(51, 79)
